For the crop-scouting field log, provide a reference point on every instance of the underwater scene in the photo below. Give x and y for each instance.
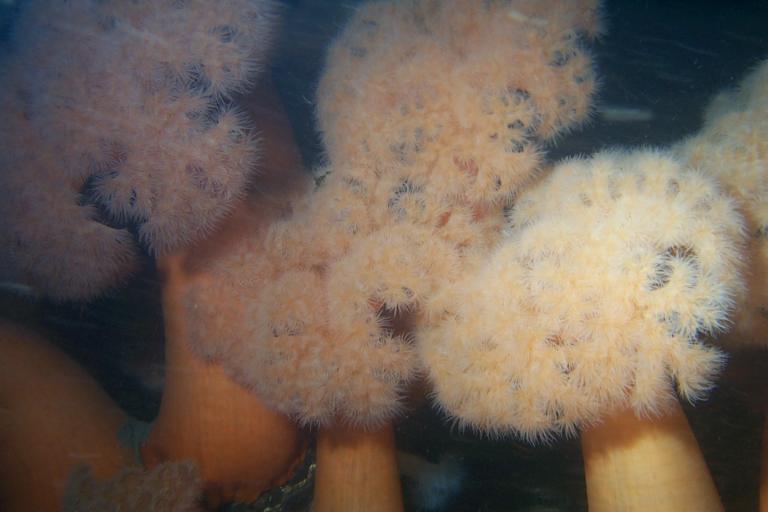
(383, 255)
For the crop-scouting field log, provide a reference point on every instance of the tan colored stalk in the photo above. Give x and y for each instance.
(357, 471)
(634, 464)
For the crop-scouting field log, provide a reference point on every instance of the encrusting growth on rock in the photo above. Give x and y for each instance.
(172, 487)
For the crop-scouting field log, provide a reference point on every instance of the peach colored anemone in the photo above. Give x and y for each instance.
(613, 270)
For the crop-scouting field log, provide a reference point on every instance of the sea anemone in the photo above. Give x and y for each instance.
(613, 270)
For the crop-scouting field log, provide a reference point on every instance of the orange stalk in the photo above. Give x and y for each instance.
(53, 418)
(242, 448)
